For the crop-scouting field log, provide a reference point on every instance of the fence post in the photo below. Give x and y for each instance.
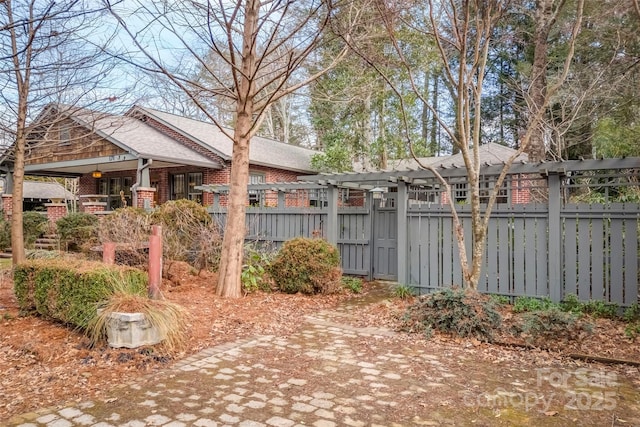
(109, 253)
(281, 200)
(155, 261)
(556, 284)
(332, 214)
(402, 240)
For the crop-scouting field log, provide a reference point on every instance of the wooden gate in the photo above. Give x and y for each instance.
(385, 238)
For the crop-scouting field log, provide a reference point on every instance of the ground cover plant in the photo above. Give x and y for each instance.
(462, 312)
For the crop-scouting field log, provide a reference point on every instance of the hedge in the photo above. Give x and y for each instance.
(69, 291)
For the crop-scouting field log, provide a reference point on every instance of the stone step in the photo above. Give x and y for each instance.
(47, 240)
(39, 244)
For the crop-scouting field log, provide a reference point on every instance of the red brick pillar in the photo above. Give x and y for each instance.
(7, 206)
(94, 207)
(145, 193)
(55, 211)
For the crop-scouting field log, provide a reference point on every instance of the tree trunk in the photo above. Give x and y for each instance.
(434, 143)
(424, 116)
(229, 274)
(545, 17)
(17, 230)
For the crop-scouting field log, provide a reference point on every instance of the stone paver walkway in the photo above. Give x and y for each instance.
(342, 376)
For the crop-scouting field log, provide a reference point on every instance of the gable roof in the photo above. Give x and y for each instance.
(135, 140)
(141, 140)
(39, 190)
(262, 151)
(490, 154)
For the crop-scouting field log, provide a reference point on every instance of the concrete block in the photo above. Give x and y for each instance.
(131, 330)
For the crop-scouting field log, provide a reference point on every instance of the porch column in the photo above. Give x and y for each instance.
(332, 214)
(402, 236)
(145, 197)
(143, 167)
(8, 185)
(7, 206)
(55, 211)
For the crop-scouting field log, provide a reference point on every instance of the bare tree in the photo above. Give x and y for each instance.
(48, 54)
(262, 46)
(462, 32)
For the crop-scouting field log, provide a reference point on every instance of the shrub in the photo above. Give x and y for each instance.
(125, 225)
(5, 234)
(500, 300)
(129, 228)
(188, 233)
(632, 330)
(256, 263)
(34, 225)
(403, 292)
(595, 308)
(553, 323)
(68, 291)
(78, 230)
(308, 266)
(526, 304)
(603, 309)
(465, 313)
(354, 284)
(632, 313)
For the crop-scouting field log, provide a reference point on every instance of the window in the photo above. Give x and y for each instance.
(178, 190)
(424, 193)
(318, 198)
(112, 187)
(195, 180)
(183, 186)
(255, 195)
(460, 192)
(65, 134)
(486, 186)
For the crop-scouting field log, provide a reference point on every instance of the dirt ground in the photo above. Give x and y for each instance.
(44, 364)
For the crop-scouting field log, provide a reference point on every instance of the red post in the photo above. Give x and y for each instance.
(109, 253)
(155, 261)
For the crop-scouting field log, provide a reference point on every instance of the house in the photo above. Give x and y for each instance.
(147, 157)
(516, 189)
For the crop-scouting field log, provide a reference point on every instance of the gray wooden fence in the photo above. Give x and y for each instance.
(598, 251)
(279, 225)
(554, 249)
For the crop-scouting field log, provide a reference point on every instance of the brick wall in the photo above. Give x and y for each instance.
(55, 211)
(93, 207)
(520, 190)
(87, 185)
(7, 206)
(162, 178)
